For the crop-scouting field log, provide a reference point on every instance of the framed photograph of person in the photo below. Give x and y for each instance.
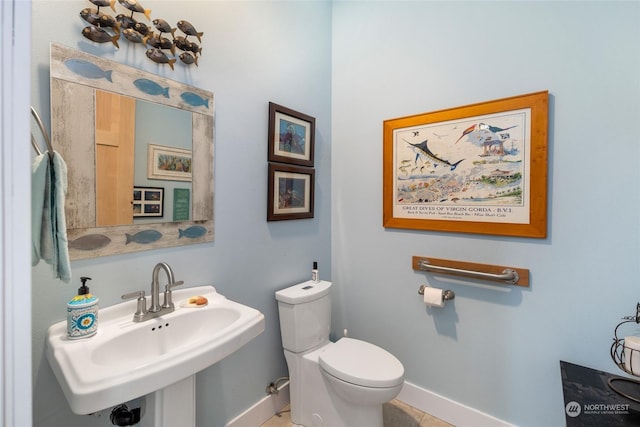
(290, 193)
(291, 136)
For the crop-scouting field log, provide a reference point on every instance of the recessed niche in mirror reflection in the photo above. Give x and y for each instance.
(125, 127)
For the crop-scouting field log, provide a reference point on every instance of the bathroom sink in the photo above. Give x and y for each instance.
(125, 360)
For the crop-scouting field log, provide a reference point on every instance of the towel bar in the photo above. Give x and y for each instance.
(506, 275)
(45, 135)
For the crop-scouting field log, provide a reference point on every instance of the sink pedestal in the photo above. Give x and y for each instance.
(174, 405)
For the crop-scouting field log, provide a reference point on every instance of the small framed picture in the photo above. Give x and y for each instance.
(181, 204)
(148, 202)
(169, 163)
(291, 136)
(291, 191)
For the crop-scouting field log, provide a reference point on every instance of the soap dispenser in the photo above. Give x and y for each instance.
(82, 313)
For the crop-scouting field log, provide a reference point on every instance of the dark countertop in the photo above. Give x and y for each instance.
(589, 401)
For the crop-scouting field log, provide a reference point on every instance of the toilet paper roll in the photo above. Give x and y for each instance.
(433, 297)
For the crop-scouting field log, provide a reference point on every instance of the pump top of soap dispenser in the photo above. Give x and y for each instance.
(84, 289)
(84, 296)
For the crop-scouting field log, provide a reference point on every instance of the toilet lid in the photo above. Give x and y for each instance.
(362, 363)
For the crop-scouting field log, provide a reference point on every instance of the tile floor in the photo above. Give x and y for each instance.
(396, 414)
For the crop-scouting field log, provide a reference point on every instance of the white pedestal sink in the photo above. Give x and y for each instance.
(174, 405)
(158, 358)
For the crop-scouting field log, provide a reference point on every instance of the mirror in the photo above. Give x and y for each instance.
(125, 128)
(185, 175)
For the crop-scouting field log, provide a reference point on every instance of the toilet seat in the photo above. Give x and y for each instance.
(361, 363)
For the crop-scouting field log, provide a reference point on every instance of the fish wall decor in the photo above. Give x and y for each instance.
(151, 88)
(161, 49)
(90, 242)
(192, 232)
(188, 58)
(143, 237)
(88, 69)
(132, 35)
(103, 3)
(194, 99)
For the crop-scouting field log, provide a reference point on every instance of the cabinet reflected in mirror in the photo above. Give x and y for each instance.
(115, 147)
(171, 117)
(125, 127)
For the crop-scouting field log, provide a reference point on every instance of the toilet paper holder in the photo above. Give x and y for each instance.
(447, 294)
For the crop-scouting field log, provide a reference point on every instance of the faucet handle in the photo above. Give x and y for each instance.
(173, 285)
(141, 310)
(168, 302)
(131, 295)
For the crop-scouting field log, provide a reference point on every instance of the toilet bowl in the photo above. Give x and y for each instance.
(362, 373)
(341, 384)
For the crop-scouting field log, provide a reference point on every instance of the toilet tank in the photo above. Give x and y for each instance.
(305, 315)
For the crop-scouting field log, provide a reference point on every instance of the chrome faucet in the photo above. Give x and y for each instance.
(155, 285)
(156, 309)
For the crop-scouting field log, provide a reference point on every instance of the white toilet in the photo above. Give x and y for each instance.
(341, 384)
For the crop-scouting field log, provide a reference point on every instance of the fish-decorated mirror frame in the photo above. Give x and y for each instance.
(75, 76)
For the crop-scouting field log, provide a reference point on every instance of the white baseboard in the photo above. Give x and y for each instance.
(264, 409)
(446, 409)
(427, 401)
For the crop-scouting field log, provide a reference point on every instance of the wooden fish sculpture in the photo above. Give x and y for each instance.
(91, 15)
(184, 44)
(159, 57)
(126, 21)
(188, 58)
(109, 22)
(188, 29)
(132, 35)
(159, 42)
(134, 6)
(194, 47)
(163, 26)
(141, 28)
(99, 19)
(99, 35)
(101, 3)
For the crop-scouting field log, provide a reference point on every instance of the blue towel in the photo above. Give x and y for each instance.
(49, 228)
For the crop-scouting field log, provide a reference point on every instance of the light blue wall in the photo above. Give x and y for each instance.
(494, 349)
(253, 53)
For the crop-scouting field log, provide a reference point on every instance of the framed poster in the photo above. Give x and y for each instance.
(291, 136)
(290, 193)
(148, 202)
(479, 168)
(169, 163)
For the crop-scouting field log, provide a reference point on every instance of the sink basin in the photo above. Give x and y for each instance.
(125, 360)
